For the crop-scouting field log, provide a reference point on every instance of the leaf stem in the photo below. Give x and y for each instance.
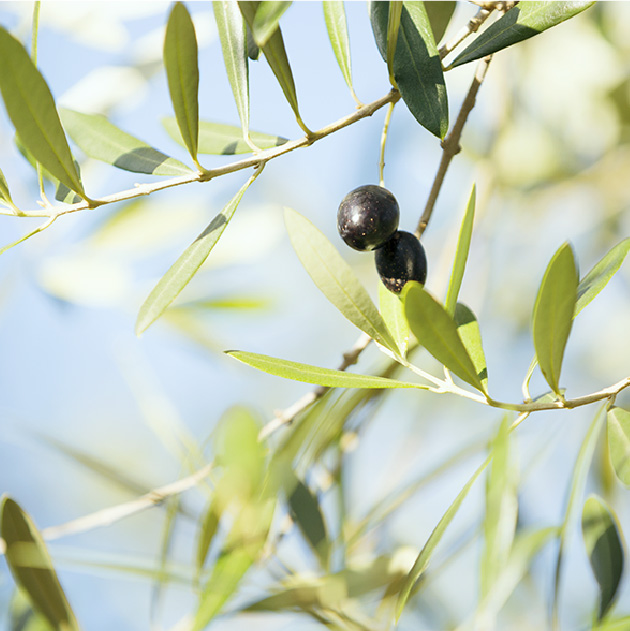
(388, 118)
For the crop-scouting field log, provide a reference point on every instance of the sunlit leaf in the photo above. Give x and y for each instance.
(326, 377)
(23, 617)
(601, 273)
(393, 311)
(436, 330)
(553, 313)
(417, 66)
(613, 624)
(266, 20)
(219, 139)
(468, 329)
(461, 254)
(208, 528)
(604, 549)
(521, 22)
(32, 111)
(440, 14)
(5, 194)
(335, 17)
(186, 266)
(619, 442)
(182, 72)
(32, 567)
(393, 26)
(335, 278)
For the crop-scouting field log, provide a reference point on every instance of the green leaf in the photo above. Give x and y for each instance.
(440, 14)
(5, 195)
(519, 23)
(326, 377)
(182, 72)
(266, 20)
(186, 266)
(31, 108)
(417, 66)
(335, 278)
(208, 528)
(468, 329)
(613, 624)
(32, 567)
(601, 273)
(604, 549)
(393, 27)
(335, 17)
(461, 254)
(233, 36)
(436, 330)
(23, 617)
(227, 140)
(618, 426)
(101, 140)
(553, 313)
(393, 311)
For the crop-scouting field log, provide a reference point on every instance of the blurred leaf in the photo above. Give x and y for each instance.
(182, 72)
(32, 567)
(553, 313)
(439, 14)
(519, 23)
(23, 617)
(604, 549)
(266, 20)
(393, 27)
(461, 254)
(601, 273)
(206, 532)
(335, 278)
(436, 330)
(619, 442)
(233, 36)
(468, 329)
(5, 195)
(233, 302)
(393, 311)
(101, 140)
(613, 624)
(335, 17)
(417, 65)
(326, 377)
(32, 111)
(227, 140)
(186, 266)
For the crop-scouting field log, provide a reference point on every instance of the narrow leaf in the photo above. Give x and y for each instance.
(393, 26)
(335, 17)
(393, 311)
(618, 425)
(335, 278)
(31, 108)
(206, 533)
(436, 330)
(604, 549)
(227, 140)
(417, 66)
(266, 20)
(440, 14)
(5, 195)
(233, 36)
(22, 616)
(461, 254)
(32, 567)
(326, 377)
(468, 329)
(519, 23)
(182, 72)
(186, 266)
(553, 313)
(601, 273)
(613, 624)
(101, 140)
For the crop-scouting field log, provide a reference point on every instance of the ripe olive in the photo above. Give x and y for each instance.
(401, 259)
(367, 217)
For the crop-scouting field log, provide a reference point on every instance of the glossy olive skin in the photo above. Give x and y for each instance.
(400, 260)
(368, 216)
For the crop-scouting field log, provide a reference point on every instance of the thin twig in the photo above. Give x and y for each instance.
(473, 25)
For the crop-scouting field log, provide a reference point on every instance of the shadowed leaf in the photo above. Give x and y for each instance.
(266, 20)
(440, 14)
(5, 195)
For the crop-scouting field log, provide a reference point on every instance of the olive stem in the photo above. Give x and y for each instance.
(388, 118)
(472, 27)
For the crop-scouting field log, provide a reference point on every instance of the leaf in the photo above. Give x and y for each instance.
(437, 332)
(461, 254)
(266, 20)
(5, 195)
(553, 313)
(31, 108)
(604, 549)
(613, 624)
(227, 140)
(439, 14)
(336, 25)
(335, 278)
(393, 311)
(468, 329)
(23, 617)
(618, 426)
(63, 193)
(208, 528)
(519, 23)
(601, 273)
(101, 140)
(314, 374)
(187, 265)
(182, 72)
(417, 66)
(393, 27)
(233, 36)
(32, 567)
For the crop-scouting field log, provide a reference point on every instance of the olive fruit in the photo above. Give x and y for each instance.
(367, 217)
(401, 259)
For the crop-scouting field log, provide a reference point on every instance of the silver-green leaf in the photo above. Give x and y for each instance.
(618, 429)
(335, 17)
